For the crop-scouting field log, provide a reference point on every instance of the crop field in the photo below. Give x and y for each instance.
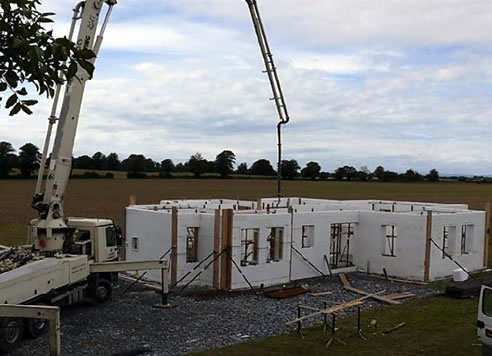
(107, 198)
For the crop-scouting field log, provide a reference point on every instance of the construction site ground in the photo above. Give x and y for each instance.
(199, 321)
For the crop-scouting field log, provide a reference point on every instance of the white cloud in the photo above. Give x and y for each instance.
(359, 87)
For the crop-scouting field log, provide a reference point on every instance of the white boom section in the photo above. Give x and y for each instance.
(51, 226)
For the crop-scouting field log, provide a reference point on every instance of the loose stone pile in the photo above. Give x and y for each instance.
(14, 257)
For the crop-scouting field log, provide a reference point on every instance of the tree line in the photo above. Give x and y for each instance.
(26, 161)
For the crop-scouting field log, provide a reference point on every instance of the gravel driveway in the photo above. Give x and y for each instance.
(129, 322)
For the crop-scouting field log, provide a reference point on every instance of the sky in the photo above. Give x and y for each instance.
(398, 83)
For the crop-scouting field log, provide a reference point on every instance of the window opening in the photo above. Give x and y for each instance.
(135, 243)
(192, 244)
(391, 234)
(249, 246)
(445, 241)
(466, 239)
(276, 241)
(340, 236)
(307, 236)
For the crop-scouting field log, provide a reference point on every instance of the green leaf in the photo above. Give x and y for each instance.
(85, 53)
(72, 70)
(26, 109)
(16, 109)
(17, 43)
(88, 66)
(45, 20)
(3, 86)
(29, 102)
(11, 78)
(23, 91)
(12, 100)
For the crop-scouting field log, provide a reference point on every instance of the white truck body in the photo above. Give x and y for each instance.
(42, 277)
(484, 321)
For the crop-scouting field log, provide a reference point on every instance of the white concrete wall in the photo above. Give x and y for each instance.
(473, 260)
(152, 225)
(263, 273)
(153, 230)
(205, 247)
(185, 221)
(322, 230)
(410, 244)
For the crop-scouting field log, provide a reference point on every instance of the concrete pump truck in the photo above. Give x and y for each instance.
(67, 259)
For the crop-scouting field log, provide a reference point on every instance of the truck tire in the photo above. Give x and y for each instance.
(34, 328)
(11, 331)
(103, 291)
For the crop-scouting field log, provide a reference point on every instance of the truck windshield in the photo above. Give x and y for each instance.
(111, 236)
(487, 302)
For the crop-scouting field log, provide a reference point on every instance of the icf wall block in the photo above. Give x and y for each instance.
(321, 222)
(153, 231)
(410, 244)
(185, 221)
(206, 247)
(472, 257)
(266, 273)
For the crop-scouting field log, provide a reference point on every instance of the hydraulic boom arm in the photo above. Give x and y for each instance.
(51, 226)
(271, 71)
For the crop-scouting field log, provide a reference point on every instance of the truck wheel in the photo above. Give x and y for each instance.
(103, 291)
(11, 330)
(36, 327)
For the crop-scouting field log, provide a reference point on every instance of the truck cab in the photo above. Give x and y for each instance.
(99, 239)
(484, 321)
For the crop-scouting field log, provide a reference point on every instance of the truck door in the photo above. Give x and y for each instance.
(484, 322)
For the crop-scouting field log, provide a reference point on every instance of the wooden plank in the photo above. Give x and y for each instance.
(308, 307)
(400, 296)
(400, 280)
(321, 294)
(174, 242)
(229, 214)
(393, 329)
(344, 280)
(428, 238)
(339, 308)
(331, 310)
(486, 235)
(226, 242)
(217, 249)
(336, 309)
(150, 285)
(373, 296)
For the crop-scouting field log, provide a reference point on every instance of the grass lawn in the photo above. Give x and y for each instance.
(434, 326)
